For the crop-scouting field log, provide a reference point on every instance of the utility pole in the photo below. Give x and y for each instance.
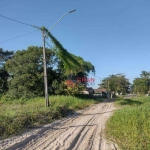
(44, 55)
(47, 103)
(108, 89)
(45, 72)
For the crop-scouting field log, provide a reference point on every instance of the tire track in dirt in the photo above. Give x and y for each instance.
(82, 131)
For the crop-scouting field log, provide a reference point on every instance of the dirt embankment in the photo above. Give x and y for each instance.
(81, 131)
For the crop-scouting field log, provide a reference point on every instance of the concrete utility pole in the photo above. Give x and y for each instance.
(44, 56)
(108, 96)
(45, 73)
(47, 103)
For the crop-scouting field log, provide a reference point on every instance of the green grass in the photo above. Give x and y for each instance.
(129, 126)
(18, 115)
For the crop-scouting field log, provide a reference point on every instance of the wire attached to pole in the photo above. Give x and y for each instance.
(19, 22)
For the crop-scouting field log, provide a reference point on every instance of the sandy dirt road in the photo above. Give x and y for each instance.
(81, 131)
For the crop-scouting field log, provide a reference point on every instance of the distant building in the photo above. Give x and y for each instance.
(89, 90)
(100, 90)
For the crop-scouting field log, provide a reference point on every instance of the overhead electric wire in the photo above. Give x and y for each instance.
(17, 37)
(131, 77)
(48, 44)
(19, 21)
(95, 76)
(23, 24)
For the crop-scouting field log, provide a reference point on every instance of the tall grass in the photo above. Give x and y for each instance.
(18, 115)
(129, 127)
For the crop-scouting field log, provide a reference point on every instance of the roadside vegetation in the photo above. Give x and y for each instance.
(129, 126)
(18, 115)
(22, 86)
(22, 81)
(141, 85)
(22, 72)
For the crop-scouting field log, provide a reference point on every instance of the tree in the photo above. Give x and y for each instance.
(141, 85)
(145, 74)
(4, 56)
(26, 73)
(69, 64)
(73, 88)
(116, 84)
(26, 70)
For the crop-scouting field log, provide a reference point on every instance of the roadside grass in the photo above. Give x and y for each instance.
(18, 115)
(129, 126)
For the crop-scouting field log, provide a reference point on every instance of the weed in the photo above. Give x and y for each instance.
(18, 115)
(129, 127)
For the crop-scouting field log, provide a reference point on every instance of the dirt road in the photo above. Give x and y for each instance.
(81, 131)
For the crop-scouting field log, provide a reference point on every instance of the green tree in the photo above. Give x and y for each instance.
(141, 85)
(145, 74)
(69, 64)
(116, 84)
(26, 69)
(4, 56)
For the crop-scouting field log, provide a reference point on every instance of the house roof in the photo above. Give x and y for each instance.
(100, 90)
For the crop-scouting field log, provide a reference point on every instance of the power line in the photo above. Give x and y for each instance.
(17, 37)
(19, 21)
(95, 76)
(130, 77)
(48, 43)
